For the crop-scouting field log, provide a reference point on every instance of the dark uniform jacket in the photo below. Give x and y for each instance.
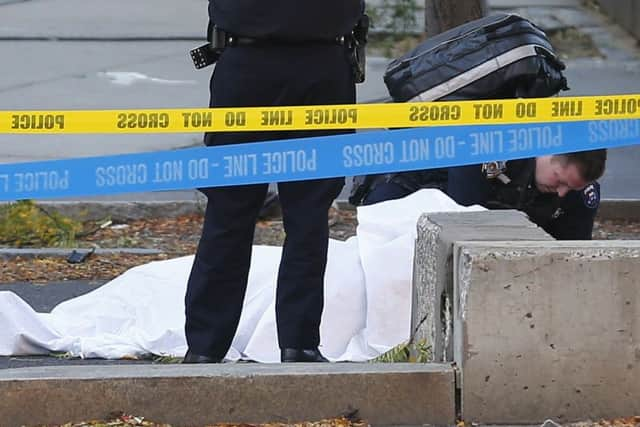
(565, 218)
(287, 20)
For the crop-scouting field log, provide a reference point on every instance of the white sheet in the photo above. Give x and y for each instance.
(367, 299)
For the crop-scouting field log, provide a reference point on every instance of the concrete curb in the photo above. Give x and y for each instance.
(64, 252)
(125, 210)
(382, 394)
(628, 209)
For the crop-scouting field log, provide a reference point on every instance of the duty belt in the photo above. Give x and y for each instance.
(209, 53)
(252, 41)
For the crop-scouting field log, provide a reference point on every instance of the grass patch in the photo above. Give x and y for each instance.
(418, 352)
(25, 224)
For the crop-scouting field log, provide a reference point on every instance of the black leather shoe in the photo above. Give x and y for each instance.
(288, 355)
(198, 358)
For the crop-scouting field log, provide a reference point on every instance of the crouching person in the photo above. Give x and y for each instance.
(559, 193)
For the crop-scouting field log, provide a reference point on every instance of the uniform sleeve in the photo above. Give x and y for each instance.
(575, 221)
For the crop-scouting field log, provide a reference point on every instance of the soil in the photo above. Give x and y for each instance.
(176, 237)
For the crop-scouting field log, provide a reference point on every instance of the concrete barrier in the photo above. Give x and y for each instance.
(547, 330)
(190, 395)
(433, 267)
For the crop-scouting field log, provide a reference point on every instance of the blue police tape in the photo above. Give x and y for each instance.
(308, 158)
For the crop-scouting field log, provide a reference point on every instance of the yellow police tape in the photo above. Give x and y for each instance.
(360, 116)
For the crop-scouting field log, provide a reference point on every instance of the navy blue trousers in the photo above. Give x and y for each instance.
(266, 76)
(467, 185)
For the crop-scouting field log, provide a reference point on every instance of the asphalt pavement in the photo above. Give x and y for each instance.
(88, 54)
(43, 298)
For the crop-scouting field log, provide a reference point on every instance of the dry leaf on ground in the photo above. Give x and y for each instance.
(179, 236)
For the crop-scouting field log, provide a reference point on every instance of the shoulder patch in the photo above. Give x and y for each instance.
(591, 196)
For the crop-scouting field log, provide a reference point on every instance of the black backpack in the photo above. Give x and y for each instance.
(496, 57)
(499, 56)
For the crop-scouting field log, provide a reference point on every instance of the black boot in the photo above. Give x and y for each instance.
(198, 358)
(288, 355)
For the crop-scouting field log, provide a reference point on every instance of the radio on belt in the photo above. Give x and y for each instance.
(209, 53)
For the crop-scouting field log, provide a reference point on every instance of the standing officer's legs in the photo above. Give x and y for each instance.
(254, 76)
(218, 281)
(299, 298)
(305, 206)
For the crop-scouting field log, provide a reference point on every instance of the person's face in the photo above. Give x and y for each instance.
(554, 175)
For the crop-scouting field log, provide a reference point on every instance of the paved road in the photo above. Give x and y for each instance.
(65, 54)
(43, 298)
(88, 54)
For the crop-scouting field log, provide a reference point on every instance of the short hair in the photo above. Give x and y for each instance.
(590, 164)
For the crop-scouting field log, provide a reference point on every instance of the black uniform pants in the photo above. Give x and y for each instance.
(266, 76)
(467, 185)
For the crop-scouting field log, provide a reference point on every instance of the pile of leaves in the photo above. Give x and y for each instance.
(25, 224)
(115, 420)
(124, 420)
(617, 422)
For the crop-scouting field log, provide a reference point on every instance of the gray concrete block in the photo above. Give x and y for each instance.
(433, 270)
(547, 330)
(188, 395)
